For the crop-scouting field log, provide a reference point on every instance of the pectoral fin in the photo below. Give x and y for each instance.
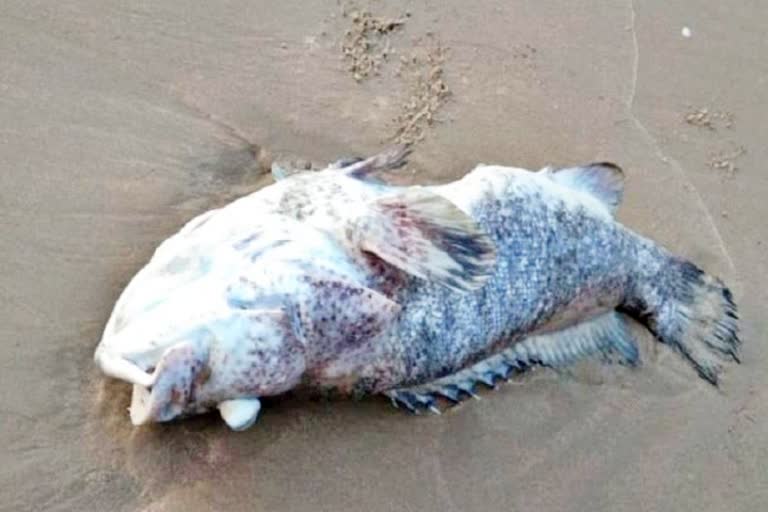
(427, 236)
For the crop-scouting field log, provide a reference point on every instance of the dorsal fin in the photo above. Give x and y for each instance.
(602, 180)
(281, 171)
(391, 158)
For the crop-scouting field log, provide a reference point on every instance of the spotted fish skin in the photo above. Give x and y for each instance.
(561, 259)
(335, 281)
(556, 258)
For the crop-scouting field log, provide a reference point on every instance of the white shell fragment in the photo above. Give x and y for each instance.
(240, 414)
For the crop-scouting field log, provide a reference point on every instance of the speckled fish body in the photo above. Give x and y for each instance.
(335, 281)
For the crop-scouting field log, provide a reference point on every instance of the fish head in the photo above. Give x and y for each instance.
(222, 327)
(234, 359)
(205, 346)
(195, 330)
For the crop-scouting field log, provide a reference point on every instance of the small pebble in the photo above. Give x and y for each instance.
(686, 32)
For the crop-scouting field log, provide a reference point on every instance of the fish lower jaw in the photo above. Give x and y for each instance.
(147, 408)
(140, 410)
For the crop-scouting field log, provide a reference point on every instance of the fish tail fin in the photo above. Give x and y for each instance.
(694, 313)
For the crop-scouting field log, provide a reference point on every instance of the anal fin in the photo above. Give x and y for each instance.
(606, 335)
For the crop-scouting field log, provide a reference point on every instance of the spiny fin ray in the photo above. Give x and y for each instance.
(605, 335)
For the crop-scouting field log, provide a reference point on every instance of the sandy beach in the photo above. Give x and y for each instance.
(121, 122)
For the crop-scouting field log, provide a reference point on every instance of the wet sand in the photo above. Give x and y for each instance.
(120, 123)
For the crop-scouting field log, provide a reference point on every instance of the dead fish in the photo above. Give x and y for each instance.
(335, 281)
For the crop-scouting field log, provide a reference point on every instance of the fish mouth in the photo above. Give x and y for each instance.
(146, 403)
(157, 404)
(181, 371)
(155, 396)
(141, 405)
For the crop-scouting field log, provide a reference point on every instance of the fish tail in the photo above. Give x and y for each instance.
(692, 312)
